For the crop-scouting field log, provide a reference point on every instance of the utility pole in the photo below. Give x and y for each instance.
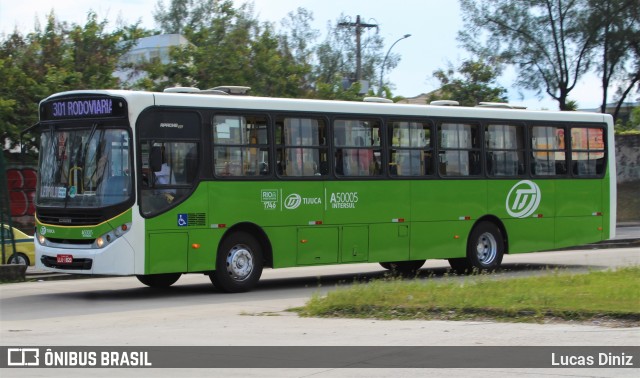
(359, 26)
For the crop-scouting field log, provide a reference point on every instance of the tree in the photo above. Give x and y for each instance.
(58, 58)
(335, 69)
(297, 38)
(229, 46)
(617, 53)
(477, 84)
(543, 39)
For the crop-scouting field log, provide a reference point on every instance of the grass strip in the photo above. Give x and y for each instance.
(558, 295)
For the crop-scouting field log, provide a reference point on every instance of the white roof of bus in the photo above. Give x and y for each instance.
(326, 106)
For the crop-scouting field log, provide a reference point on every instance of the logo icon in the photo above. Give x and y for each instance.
(23, 357)
(523, 199)
(292, 201)
(269, 195)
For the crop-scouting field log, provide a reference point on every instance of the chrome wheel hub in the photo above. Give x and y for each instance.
(487, 248)
(239, 263)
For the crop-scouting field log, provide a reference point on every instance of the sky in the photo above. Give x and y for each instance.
(433, 25)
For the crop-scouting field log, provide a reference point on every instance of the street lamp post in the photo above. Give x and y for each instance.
(385, 61)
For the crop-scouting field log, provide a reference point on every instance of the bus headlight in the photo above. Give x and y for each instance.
(111, 236)
(122, 229)
(42, 240)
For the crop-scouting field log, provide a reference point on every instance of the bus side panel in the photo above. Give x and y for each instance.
(448, 200)
(367, 202)
(382, 205)
(578, 212)
(317, 245)
(203, 246)
(527, 231)
(389, 242)
(531, 234)
(443, 214)
(439, 240)
(354, 244)
(284, 245)
(266, 203)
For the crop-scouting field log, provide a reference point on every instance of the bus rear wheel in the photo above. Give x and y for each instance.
(485, 249)
(238, 263)
(159, 280)
(405, 268)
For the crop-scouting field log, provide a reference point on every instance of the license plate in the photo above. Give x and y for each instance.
(64, 259)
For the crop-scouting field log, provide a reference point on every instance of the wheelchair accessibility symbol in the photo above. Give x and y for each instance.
(183, 220)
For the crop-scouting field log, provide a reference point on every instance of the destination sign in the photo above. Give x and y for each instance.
(84, 108)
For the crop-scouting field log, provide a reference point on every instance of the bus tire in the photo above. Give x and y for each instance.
(405, 268)
(18, 258)
(159, 280)
(485, 249)
(238, 263)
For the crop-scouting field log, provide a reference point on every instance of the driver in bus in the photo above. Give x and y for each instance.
(165, 177)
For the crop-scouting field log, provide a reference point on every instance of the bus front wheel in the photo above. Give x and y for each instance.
(485, 249)
(238, 264)
(159, 280)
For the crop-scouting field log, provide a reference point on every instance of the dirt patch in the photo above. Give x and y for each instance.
(629, 202)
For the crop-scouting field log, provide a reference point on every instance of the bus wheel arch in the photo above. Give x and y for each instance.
(495, 220)
(239, 261)
(258, 233)
(486, 246)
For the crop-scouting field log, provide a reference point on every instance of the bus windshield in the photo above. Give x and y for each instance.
(84, 167)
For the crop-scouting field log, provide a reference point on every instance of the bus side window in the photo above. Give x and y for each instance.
(505, 150)
(587, 151)
(459, 150)
(240, 145)
(358, 151)
(548, 148)
(301, 147)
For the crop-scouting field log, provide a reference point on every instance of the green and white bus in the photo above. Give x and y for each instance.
(158, 185)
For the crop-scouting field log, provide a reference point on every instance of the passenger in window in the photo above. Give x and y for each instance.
(364, 158)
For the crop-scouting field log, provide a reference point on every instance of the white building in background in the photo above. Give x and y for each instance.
(147, 49)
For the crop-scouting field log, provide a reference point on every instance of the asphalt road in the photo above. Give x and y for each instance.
(122, 312)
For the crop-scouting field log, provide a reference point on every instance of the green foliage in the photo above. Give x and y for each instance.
(59, 58)
(552, 44)
(227, 46)
(571, 105)
(632, 126)
(476, 83)
(616, 56)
